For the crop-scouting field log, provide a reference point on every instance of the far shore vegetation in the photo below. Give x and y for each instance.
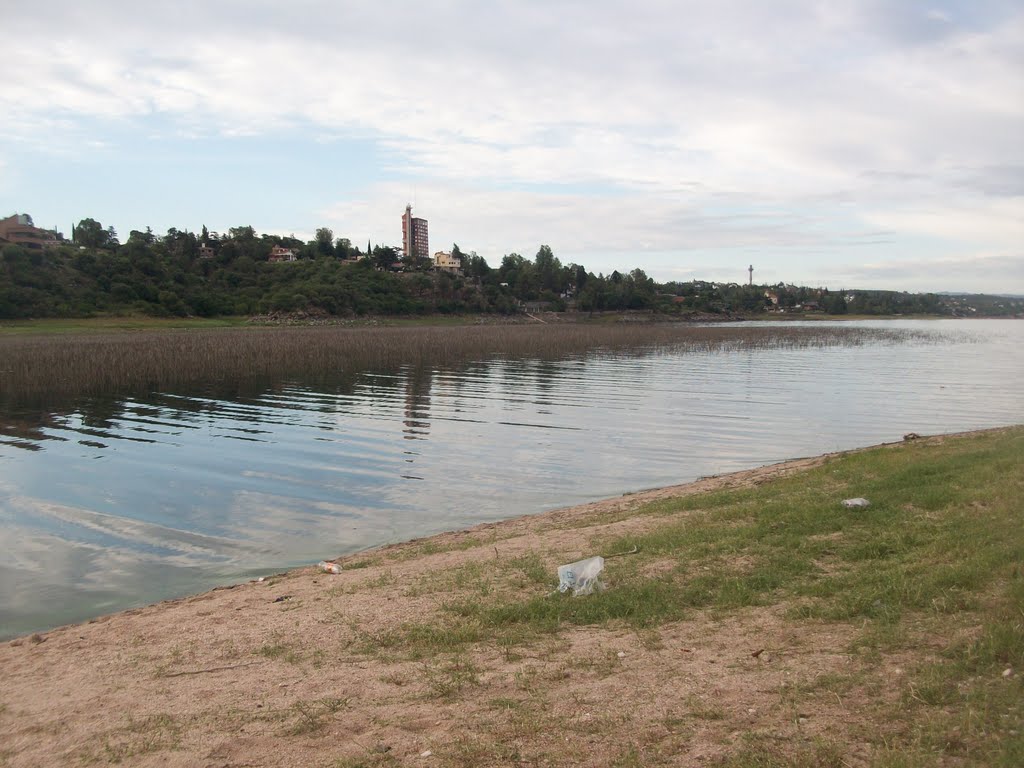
(108, 361)
(236, 274)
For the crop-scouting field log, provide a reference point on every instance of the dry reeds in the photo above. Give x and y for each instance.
(147, 361)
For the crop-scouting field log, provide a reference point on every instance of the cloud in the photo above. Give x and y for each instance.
(968, 272)
(662, 113)
(499, 221)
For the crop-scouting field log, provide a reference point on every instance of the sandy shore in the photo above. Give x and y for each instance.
(295, 670)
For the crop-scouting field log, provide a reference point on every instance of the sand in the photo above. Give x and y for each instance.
(297, 669)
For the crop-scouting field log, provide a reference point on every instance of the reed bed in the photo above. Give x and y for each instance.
(151, 361)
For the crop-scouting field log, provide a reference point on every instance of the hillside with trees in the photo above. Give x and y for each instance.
(209, 274)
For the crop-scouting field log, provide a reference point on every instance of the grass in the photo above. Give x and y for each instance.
(138, 737)
(932, 569)
(446, 679)
(761, 753)
(311, 716)
(368, 760)
(113, 324)
(281, 651)
(95, 360)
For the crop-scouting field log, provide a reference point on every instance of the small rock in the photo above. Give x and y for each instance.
(802, 720)
(621, 655)
(261, 579)
(911, 436)
(752, 711)
(1008, 672)
(426, 753)
(381, 749)
(37, 639)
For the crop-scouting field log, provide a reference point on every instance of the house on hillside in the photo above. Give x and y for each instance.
(280, 253)
(20, 230)
(445, 262)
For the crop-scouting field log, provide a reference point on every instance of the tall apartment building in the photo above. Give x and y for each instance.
(414, 236)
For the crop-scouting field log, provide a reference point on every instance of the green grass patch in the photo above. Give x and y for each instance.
(931, 569)
(115, 323)
(311, 716)
(280, 651)
(942, 531)
(760, 752)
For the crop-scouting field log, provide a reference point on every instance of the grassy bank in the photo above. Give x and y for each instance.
(758, 623)
(926, 584)
(114, 324)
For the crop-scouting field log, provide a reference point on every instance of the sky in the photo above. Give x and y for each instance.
(839, 143)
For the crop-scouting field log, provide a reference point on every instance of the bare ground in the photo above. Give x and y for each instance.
(295, 671)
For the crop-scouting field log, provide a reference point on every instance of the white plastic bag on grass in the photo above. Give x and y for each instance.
(854, 503)
(582, 577)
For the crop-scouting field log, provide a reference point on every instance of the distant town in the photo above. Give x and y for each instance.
(210, 274)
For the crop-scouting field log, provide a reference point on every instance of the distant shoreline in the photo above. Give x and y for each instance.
(143, 323)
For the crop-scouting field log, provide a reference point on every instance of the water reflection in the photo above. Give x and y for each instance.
(107, 502)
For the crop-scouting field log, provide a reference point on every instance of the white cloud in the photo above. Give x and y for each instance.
(978, 272)
(668, 108)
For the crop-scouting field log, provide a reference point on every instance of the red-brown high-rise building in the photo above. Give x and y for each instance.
(414, 236)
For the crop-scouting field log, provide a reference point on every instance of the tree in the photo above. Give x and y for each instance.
(458, 254)
(343, 248)
(324, 242)
(384, 256)
(90, 233)
(146, 238)
(549, 270)
(580, 279)
(475, 267)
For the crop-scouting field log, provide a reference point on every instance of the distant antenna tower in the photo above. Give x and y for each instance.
(750, 269)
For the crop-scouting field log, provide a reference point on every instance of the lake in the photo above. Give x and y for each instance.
(123, 499)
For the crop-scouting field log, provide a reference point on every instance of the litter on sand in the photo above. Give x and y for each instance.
(328, 567)
(858, 502)
(582, 577)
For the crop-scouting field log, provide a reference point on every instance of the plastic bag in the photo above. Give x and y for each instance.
(852, 503)
(582, 577)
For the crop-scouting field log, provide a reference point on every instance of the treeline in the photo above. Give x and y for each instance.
(210, 274)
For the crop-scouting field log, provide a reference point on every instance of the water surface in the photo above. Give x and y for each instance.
(119, 501)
